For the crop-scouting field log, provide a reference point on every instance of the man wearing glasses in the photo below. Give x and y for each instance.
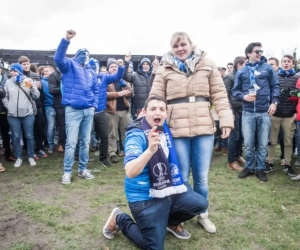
(257, 86)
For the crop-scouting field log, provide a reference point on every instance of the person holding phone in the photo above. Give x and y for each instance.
(190, 82)
(158, 198)
(20, 105)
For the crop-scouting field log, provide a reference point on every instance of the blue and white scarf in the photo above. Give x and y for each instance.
(182, 65)
(18, 79)
(252, 69)
(283, 72)
(164, 174)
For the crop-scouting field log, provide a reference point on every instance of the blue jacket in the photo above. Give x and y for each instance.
(103, 81)
(79, 88)
(48, 100)
(137, 188)
(266, 79)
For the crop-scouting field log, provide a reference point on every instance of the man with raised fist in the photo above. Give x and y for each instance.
(80, 99)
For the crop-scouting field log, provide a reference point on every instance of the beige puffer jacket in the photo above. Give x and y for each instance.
(193, 119)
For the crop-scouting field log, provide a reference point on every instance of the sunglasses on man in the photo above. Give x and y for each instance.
(258, 51)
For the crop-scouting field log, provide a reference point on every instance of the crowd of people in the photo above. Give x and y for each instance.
(165, 118)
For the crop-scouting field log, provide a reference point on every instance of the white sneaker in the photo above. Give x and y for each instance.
(32, 162)
(66, 179)
(205, 222)
(296, 178)
(86, 174)
(18, 163)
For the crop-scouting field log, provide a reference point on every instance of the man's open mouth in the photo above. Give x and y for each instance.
(157, 120)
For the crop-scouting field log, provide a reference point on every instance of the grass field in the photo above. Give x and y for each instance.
(38, 212)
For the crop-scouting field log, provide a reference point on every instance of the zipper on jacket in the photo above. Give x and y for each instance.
(18, 103)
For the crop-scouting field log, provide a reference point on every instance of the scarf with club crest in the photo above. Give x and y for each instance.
(164, 172)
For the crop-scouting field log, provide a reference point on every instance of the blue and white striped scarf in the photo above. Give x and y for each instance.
(18, 79)
(252, 69)
(283, 72)
(182, 65)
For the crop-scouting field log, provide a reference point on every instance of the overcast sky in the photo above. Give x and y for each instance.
(222, 28)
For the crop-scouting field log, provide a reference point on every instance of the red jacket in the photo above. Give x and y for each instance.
(298, 105)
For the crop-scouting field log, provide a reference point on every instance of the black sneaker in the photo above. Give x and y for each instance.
(269, 168)
(246, 172)
(288, 169)
(114, 159)
(94, 148)
(261, 174)
(105, 163)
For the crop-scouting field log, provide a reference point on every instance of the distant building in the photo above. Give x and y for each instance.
(45, 57)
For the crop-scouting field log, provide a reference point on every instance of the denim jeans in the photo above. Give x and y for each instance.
(16, 124)
(197, 149)
(153, 216)
(78, 123)
(235, 140)
(50, 115)
(258, 124)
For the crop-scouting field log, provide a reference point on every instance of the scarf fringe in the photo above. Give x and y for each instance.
(162, 193)
(167, 191)
(180, 189)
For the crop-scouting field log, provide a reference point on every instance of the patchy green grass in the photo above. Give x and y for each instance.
(38, 212)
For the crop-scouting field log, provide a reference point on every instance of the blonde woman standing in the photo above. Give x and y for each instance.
(190, 83)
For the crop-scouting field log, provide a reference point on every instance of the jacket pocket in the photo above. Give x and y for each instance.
(11, 108)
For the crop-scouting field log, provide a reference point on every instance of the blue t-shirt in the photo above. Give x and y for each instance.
(137, 188)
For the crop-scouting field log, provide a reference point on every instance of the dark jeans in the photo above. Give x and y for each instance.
(153, 216)
(101, 128)
(61, 126)
(235, 140)
(222, 143)
(133, 110)
(281, 142)
(4, 126)
(40, 124)
(121, 146)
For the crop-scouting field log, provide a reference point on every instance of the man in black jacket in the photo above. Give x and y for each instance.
(54, 81)
(284, 116)
(39, 121)
(4, 126)
(235, 140)
(141, 80)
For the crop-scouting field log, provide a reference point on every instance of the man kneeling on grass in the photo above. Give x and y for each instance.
(157, 197)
